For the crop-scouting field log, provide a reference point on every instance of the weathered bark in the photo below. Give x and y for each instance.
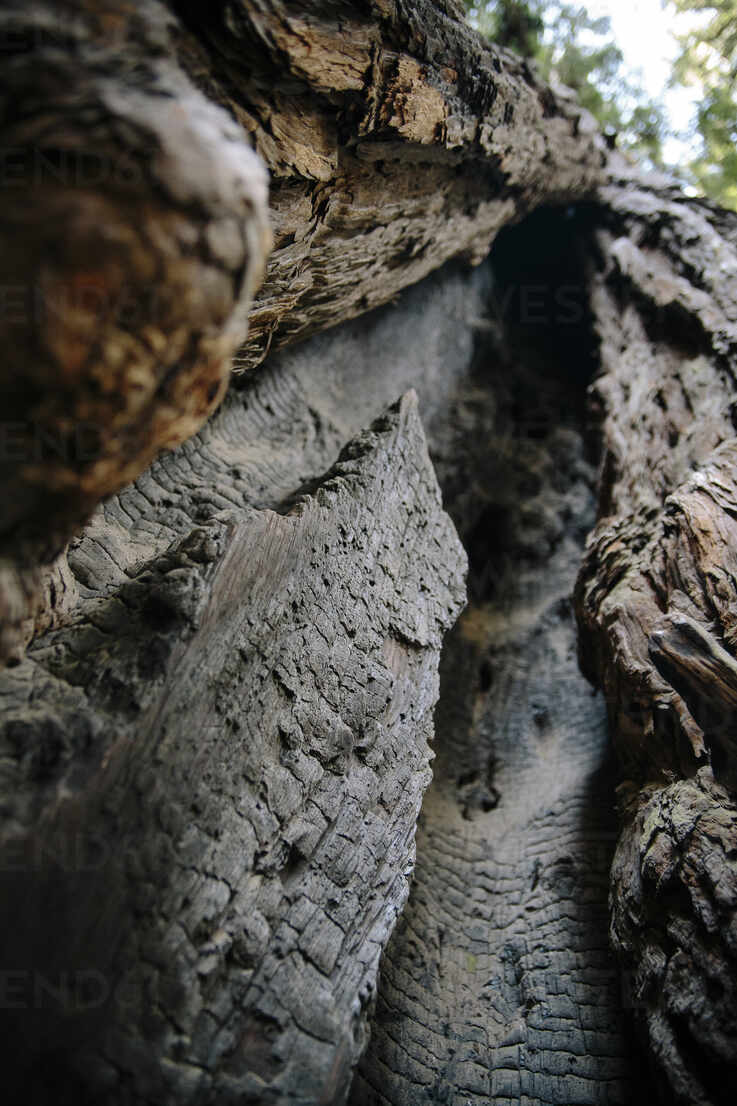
(212, 777)
(281, 430)
(135, 235)
(657, 603)
(134, 232)
(396, 137)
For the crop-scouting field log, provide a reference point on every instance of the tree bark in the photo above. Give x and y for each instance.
(135, 230)
(215, 749)
(395, 139)
(656, 602)
(212, 778)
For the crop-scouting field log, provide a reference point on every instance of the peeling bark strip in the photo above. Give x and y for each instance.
(396, 138)
(217, 772)
(657, 606)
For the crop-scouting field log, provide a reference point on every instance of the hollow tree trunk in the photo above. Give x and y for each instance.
(489, 986)
(218, 768)
(215, 749)
(497, 985)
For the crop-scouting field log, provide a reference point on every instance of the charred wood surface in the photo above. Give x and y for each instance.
(498, 984)
(214, 752)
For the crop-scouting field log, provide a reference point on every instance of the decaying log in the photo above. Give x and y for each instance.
(211, 780)
(657, 605)
(134, 230)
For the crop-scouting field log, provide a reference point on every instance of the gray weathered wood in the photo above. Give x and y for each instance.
(134, 231)
(197, 750)
(277, 432)
(211, 780)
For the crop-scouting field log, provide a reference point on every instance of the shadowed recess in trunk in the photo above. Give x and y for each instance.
(498, 984)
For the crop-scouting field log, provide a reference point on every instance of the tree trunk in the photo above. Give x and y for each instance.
(498, 985)
(656, 604)
(396, 138)
(215, 747)
(215, 773)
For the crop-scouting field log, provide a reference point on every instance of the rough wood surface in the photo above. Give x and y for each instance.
(522, 745)
(396, 138)
(134, 231)
(214, 754)
(657, 604)
(497, 461)
(211, 779)
(498, 984)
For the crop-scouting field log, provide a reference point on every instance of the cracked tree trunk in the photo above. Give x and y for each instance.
(495, 986)
(214, 751)
(498, 986)
(215, 775)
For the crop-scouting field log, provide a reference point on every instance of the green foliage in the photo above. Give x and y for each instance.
(577, 50)
(511, 23)
(708, 60)
(518, 27)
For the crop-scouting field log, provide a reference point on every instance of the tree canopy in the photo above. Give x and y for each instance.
(580, 51)
(709, 60)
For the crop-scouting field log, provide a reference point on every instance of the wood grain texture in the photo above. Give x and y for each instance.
(674, 896)
(134, 229)
(498, 984)
(213, 756)
(518, 829)
(478, 861)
